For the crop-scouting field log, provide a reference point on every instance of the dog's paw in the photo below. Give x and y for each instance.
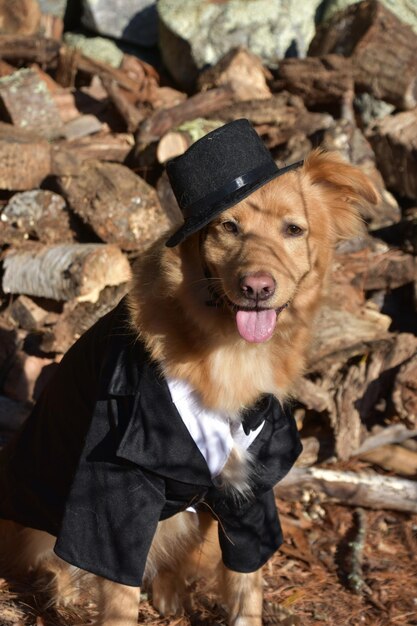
(168, 594)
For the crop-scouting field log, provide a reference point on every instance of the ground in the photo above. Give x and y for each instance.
(338, 567)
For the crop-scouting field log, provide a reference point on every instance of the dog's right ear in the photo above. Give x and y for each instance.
(346, 188)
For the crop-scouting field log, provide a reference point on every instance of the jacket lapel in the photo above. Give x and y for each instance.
(154, 436)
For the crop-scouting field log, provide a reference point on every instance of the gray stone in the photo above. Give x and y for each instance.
(196, 33)
(134, 21)
(53, 7)
(405, 10)
(96, 48)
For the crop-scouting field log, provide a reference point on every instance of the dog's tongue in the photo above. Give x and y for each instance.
(256, 326)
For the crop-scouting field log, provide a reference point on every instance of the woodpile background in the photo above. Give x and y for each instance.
(83, 193)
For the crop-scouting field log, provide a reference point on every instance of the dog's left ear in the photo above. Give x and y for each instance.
(345, 187)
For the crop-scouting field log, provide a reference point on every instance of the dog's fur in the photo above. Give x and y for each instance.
(187, 321)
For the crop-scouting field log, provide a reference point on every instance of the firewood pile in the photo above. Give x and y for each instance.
(83, 193)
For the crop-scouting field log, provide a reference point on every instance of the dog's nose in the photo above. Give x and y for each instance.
(257, 286)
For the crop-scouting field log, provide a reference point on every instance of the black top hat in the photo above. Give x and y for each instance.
(216, 172)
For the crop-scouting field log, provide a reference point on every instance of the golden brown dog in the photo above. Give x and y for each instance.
(230, 311)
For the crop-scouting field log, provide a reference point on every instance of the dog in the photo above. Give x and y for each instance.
(203, 354)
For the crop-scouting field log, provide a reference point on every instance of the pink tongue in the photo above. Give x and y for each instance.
(256, 326)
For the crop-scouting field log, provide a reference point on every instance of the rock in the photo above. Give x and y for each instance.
(119, 206)
(403, 9)
(36, 214)
(96, 48)
(134, 21)
(197, 33)
(54, 7)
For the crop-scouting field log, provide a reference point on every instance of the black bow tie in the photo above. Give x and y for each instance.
(253, 417)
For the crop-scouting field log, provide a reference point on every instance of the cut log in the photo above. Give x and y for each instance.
(168, 200)
(200, 105)
(77, 317)
(20, 17)
(34, 108)
(330, 345)
(382, 49)
(27, 314)
(25, 159)
(64, 272)
(405, 391)
(243, 71)
(67, 157)
(38, 214)
(177, 141)
(82, 126)
(354, 489)
(167, 97)
(27, 376)
(9, 342)
(118, 205)
(352, 371)
(394, 140)
(347, 139)
(106, 72)
(394, 459)
(278, 118)
(130, 114)
(318, 81)
(19, 49)
(382, 436)
(373, 271)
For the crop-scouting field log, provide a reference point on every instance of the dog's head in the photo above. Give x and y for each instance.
(272, 250)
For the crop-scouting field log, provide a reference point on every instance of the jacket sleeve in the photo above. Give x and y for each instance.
(249, 535)
(110, 520)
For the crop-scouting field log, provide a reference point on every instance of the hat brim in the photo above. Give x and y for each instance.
(195, 222)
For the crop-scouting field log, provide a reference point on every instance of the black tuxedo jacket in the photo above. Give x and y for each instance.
(105, 455)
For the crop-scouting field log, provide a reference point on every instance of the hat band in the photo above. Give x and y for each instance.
(256, 175)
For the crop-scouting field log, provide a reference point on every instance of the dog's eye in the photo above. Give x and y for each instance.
(231, 227)
(294, 230)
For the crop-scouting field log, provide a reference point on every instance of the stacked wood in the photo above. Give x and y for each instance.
(277, 118)
(381, 47)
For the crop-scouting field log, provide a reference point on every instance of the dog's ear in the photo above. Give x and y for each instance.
(345, 187)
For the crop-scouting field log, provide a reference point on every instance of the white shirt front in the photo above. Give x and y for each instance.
(214, 433)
